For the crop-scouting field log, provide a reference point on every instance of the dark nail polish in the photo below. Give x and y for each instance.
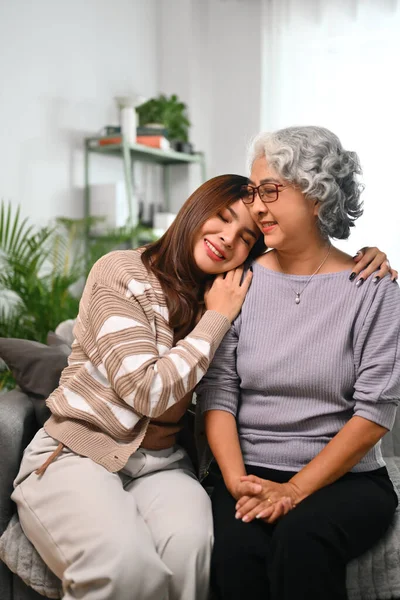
(360, 282)
(251, 269)
(376, 279)
(352, 276)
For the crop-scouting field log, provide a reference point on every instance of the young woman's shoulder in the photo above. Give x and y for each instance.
(122, 270)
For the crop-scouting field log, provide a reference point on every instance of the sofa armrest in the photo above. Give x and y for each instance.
(391, 441)
(17, 427)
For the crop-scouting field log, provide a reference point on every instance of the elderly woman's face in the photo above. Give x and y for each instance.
(290, 218)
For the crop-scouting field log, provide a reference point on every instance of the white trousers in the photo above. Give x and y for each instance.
(144, 533)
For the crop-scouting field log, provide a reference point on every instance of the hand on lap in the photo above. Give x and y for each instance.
(263, 499)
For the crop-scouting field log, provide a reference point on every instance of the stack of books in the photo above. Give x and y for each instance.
(155, 137)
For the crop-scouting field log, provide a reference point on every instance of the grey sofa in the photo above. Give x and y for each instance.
(373, 576)
(36, 368)
(19, 422)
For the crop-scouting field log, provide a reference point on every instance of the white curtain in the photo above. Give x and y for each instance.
(336, 63)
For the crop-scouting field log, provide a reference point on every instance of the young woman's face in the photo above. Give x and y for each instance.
(224, 241)
(291, 218)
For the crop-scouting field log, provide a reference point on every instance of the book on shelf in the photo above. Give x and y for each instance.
(114, 130)
(111, 130)
(152, 131)
(108, 141)
(153, 141)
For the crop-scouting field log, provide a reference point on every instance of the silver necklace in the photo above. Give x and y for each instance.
(298, 293)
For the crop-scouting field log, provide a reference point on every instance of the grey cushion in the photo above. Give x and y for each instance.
(391, 441)
(376, 574)
(35, 367)
(17, 427)
(53, 339)
(23, 559)
(66, 330)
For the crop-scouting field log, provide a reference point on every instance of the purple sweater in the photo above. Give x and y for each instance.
(294, 374)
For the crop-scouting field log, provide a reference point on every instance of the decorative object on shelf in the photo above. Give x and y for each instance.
(169, 113)
(127, 109)
(108, 130)
(185, 147)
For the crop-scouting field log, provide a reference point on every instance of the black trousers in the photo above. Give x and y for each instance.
(303, 556)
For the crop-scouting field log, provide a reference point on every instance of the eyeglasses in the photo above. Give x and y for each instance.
(267, 192)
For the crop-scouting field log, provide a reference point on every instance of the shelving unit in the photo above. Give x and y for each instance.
(130, 153)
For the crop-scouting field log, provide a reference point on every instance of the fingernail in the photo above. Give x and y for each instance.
(355, 256)
(258, 516)
(245, 519)
(352, 276)
(376, 279)
(251, 269)
(237, 516)
(360, 282)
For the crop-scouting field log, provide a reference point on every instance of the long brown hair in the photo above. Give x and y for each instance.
(171, 257)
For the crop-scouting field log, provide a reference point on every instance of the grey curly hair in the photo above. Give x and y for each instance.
(314, 160)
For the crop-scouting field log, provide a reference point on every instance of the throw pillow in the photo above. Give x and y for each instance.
(53, 339)
(36, 367)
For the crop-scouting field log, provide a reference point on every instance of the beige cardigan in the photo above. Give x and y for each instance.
(123, 370)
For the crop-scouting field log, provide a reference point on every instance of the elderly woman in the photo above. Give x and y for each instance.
(303, 387)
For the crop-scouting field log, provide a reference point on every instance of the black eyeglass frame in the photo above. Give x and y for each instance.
(256, 190)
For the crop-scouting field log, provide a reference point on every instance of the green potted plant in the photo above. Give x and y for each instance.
(171, 114)
(42, 272)
(38, 270)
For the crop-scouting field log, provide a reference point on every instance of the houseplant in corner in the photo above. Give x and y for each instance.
(42, 273)
(169, 113)
(37, 270)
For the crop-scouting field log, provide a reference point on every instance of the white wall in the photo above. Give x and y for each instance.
(235, 43)
(61, 64)
(210, 55)
(336, 66)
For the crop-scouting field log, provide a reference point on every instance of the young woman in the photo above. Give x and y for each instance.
(106, 496)
(303, 386)
(104, 493)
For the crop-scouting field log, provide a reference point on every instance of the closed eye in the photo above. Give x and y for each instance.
(247, 242)
(223, 218)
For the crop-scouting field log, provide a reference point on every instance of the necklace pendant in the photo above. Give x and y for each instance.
(297, 298)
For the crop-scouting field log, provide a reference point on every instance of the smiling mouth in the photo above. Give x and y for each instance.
(214, 249)
(268, 224)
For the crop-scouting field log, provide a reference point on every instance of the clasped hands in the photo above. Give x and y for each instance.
(263, 499)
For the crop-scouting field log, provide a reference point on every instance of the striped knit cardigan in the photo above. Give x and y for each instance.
(123, 369)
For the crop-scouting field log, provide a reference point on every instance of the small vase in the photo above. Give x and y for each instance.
(128, 116)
